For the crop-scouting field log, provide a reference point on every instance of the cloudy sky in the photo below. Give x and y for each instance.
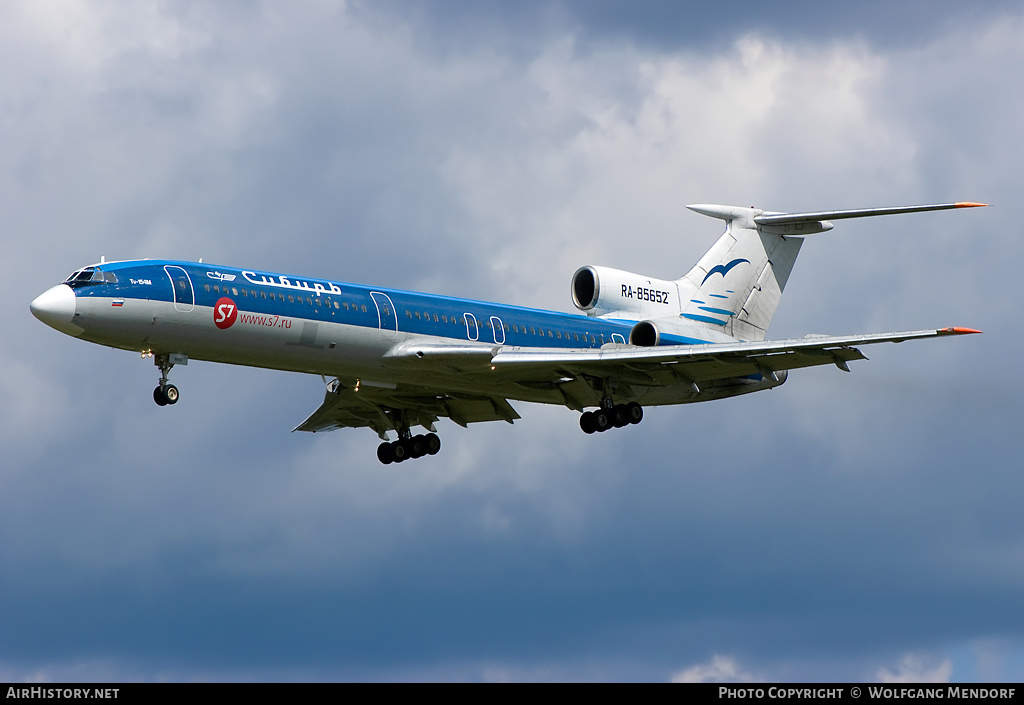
(861, 526)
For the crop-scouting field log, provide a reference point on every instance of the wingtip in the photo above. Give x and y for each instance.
(957, 330)
(969, 204)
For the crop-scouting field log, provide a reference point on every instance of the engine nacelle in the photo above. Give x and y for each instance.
(600, 291)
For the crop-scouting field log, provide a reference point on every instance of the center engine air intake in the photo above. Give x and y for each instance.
(603, 291)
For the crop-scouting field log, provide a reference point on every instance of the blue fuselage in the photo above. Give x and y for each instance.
(251, 298)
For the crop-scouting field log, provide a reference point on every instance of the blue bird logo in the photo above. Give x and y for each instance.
(723, 269)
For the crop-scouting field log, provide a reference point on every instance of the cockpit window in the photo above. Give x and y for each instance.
(90, 276)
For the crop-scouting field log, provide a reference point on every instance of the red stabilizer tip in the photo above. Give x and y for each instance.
(955, 330)
(968, 204)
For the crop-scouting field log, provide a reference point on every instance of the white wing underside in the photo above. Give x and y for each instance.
(385, 409)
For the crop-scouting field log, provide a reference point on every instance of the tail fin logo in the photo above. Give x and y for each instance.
(723, 269)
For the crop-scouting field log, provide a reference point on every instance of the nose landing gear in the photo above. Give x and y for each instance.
(165, 392)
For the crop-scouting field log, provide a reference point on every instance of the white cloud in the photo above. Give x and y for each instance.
(914, 668)
(721, 669)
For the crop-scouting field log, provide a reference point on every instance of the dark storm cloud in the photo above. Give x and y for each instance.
(828, 528)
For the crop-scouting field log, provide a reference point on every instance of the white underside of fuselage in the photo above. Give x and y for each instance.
(353, 354)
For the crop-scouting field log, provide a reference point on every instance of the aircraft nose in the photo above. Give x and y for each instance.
(56, 308)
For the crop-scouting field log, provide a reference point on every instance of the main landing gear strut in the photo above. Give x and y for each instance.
(408, 446)
(165, 392)
(611, 416)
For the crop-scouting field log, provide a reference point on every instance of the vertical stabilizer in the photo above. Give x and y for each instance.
(736, 286)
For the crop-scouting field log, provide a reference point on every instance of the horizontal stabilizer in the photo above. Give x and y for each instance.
(787, 218)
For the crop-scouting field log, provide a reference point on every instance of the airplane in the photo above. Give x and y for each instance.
(400, 359)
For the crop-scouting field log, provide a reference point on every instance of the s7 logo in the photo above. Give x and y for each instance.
(224, 312)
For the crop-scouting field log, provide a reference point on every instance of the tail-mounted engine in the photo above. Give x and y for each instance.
(603, 291)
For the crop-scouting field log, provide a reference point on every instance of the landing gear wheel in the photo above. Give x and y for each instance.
(587, 422)
(400, 449)
(602, 422)
(618, 416)
(634, 412)
(433, 443)
(385, 453)
(158, 397)
(419, 446)
(171, 394)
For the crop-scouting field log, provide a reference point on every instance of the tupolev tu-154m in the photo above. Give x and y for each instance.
(399, 360)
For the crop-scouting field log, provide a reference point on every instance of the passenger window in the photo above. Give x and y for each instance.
(309, 300)
(417, 315)
(216, 288)
(444, 317)
(206, 286)
(291, 299)
(364, 308)
(435, 318)
(336, 306)
(234, 291)
(532, 331)
(408, 313)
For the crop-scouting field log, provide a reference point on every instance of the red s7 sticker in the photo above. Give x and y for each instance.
(224, 312)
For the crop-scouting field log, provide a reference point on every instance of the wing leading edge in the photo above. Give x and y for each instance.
(694, 366)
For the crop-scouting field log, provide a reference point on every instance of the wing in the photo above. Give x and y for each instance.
(696, 364)
(572, 376)
(386, 409)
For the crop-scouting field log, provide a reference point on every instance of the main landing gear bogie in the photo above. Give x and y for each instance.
(613, 417)
(411, 447)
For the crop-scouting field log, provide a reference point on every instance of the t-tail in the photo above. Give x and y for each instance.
(734, 289)
(737, 285)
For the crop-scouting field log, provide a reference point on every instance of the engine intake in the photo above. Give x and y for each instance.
(645, 334)
(585, 288)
